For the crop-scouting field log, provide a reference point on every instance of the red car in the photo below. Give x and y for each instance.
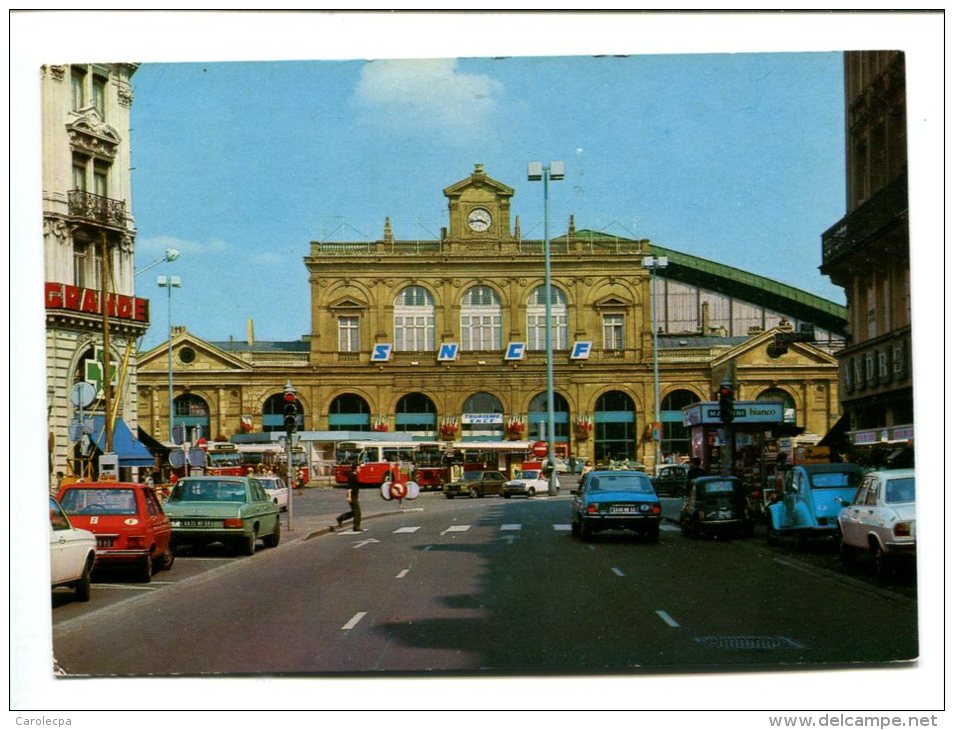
(128, 521)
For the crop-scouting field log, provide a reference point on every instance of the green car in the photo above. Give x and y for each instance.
(232, 510)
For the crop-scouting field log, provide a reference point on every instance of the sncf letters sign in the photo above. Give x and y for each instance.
(75, 299)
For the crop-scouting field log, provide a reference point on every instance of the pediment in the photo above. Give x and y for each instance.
(347, 303)
(191, 354)
(612, 302)
(754, 352)
(90, 133)
(479, 179)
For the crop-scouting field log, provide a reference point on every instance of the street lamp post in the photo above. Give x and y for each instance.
(169, 282)
(652, 263)
(170, 255)
(553, 171)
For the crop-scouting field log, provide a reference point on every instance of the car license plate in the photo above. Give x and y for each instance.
(196, 523)
(104, 542)
(622, 509)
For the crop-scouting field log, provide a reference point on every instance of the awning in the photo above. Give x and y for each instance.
(125, 445)
(156, 447)
(835, 438)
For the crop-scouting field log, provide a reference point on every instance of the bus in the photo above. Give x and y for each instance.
(271, 456)
(223, 459)
(505, 456)
(377, 461)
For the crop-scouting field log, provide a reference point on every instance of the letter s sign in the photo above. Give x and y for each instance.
(381, 353)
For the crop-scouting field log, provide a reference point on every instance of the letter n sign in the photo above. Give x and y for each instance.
(448, 352)
(515, 351)
(381, 352)
(581, 350)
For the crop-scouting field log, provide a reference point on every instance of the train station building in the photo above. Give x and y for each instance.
(446, 339)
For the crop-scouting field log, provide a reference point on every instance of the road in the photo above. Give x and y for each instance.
(487, 586)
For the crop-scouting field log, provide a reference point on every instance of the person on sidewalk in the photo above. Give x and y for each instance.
(354, 493)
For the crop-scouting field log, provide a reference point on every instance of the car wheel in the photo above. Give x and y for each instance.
(531, 492)
(882, 561)
(276, 536)
(652, 533)
(575, 529)
(85, 582)
(168, 558)
(474, 493)
(771, 534)
(506, 496)
(449, 496)
(145, 569)
(846, 552)
(585, 532)
(248, 544)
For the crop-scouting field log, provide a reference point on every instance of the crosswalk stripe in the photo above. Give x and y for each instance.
(457, 528)
(511, 527)
(407, 529)
(562, 528)
(354, 621)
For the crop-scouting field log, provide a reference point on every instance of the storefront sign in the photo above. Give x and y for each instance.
(707, 412)
(75, 299)
(481, 419)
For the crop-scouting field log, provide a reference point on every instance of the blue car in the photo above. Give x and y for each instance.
(615, 500)
(811, 500)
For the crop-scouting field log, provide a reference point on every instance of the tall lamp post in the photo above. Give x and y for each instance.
(170, 255)
(553, 171)
(652, 263)
(170, 282)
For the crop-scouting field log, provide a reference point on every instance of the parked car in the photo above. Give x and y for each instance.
(232, 510)
(72, 554)
(276, 490)
(615, 500)
(672, 480)
(131, 528)
(881, 519)
(476, 484)
(716, 505)
(526, 483)
(810, 501)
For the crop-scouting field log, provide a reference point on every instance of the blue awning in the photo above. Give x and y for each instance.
(129, 450)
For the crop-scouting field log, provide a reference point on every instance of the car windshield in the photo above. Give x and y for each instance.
(212, 490)
(836, 479)
(99, 502)
(620, 483)
(472, 476)
(529, 474)
(717, 487)
(899, 490)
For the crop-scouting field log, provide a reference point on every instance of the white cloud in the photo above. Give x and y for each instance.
(428, 94)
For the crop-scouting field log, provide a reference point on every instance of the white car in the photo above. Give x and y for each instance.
(276, 490)
(72, 554)
(881, 519)
(527, 483)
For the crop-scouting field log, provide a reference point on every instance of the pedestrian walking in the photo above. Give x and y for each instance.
(354, 493)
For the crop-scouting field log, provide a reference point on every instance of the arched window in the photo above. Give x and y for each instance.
(537, 319)
(614, 420)
(537, 418)
(414, 320)
(349, 412)
(676, 438)
(416, 412)
(789, 414)
(480, 319)
(192, 412)
(273, 413)
(482, 417)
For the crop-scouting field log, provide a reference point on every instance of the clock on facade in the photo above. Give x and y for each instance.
(479, 219)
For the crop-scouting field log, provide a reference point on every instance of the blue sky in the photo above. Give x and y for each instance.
(735, 157)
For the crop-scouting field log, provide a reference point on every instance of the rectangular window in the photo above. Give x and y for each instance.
(78, 86)
(87, 265)
(101, 179)
(348, 339)
(99, 96)
(613, 332)
(480, 332)
(79, 173)
(413, 333)
(537, 331)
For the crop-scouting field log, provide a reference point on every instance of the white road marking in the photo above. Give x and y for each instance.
(562, 528)
(354, 620)
(511, 527)
(403, 573)
(619, 572)
(125, 586)
(670, 621)
(666, 527)
(369, 541)
(406, 529)
(456, 528)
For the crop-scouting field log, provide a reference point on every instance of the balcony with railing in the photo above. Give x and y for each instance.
(97, 209)
(861, 225)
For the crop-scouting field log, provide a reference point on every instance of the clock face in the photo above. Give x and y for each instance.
(479, 219)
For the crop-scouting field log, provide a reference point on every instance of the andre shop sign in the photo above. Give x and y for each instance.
(75, 299)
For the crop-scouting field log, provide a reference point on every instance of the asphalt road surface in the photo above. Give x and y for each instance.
(487, 587)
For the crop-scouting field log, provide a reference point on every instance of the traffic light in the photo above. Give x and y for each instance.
(726, 402)
(291, 409)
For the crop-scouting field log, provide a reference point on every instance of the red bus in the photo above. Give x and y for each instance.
(223, 459)
(377, 461)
